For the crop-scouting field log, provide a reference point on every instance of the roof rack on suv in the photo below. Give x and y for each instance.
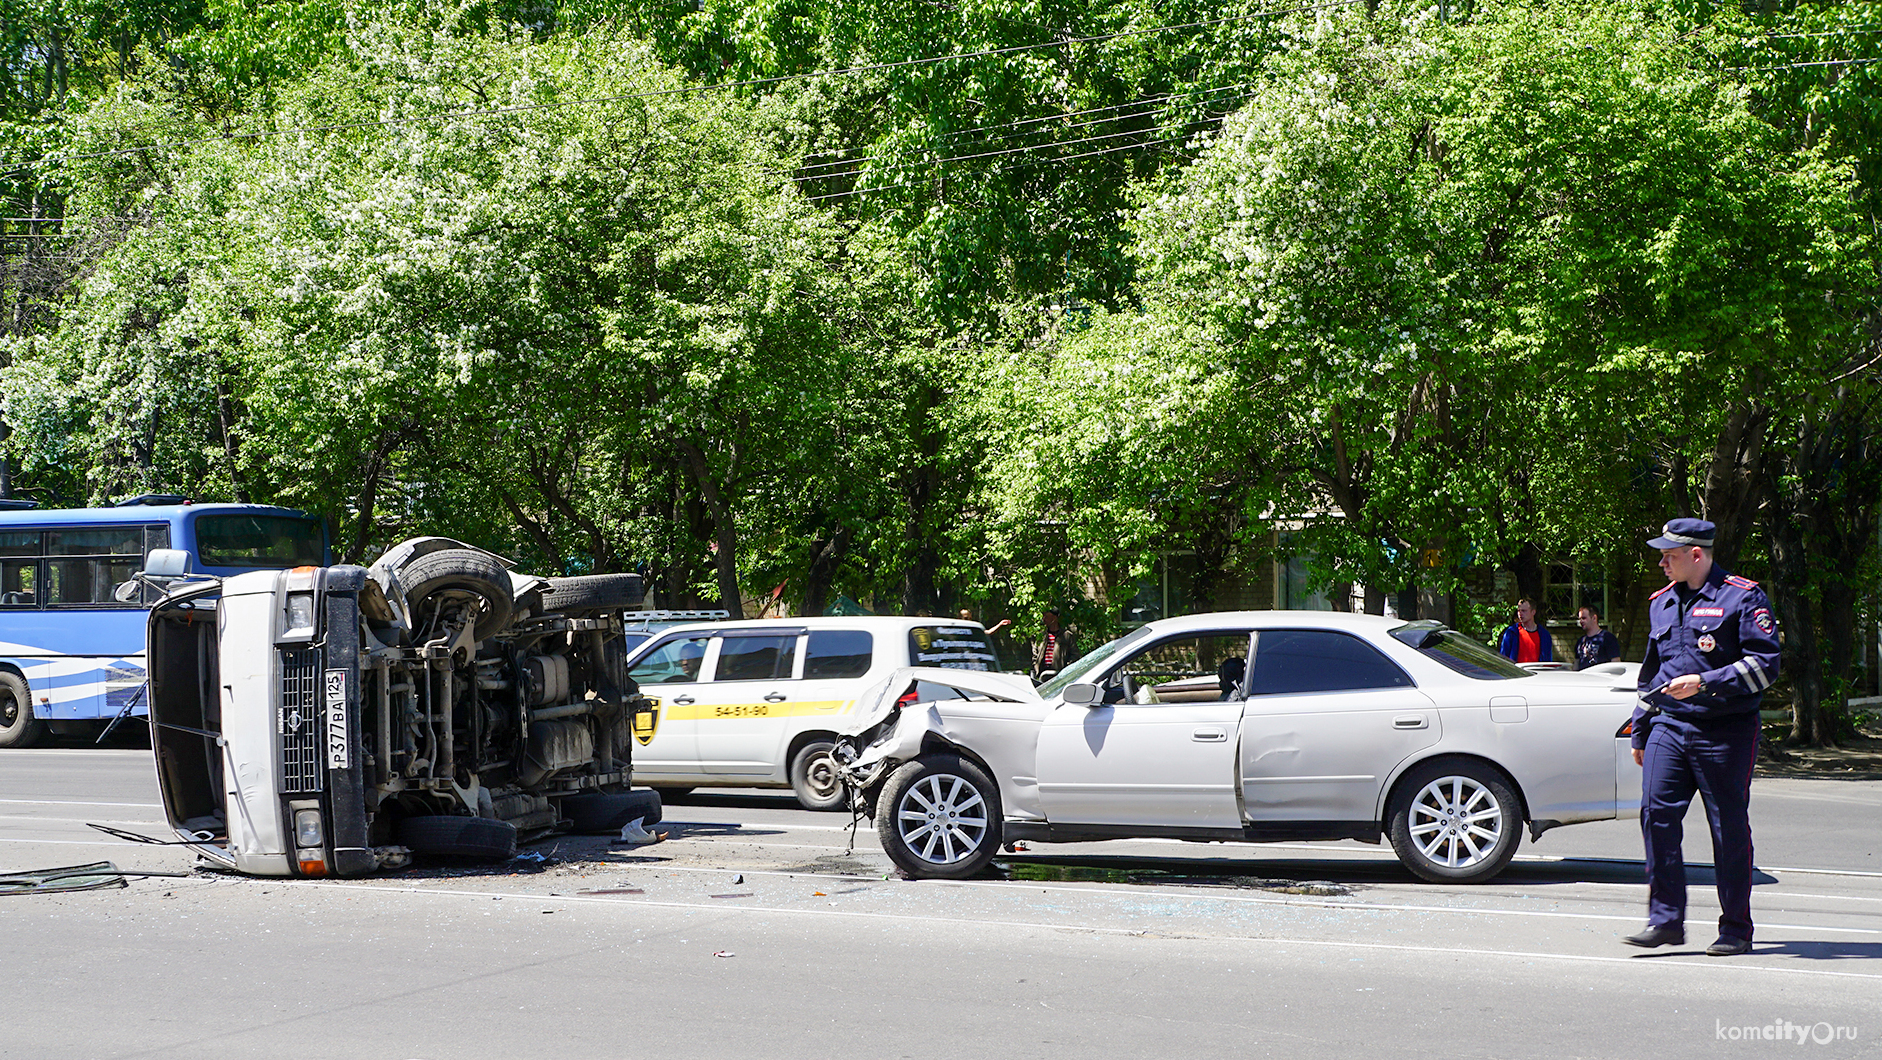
(677, 616)
(17, 504)
(152, 498)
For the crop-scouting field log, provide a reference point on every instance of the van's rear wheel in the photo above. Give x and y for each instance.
(460, 573)
(814, 777)
(18, 726)
(470, 838)
(596, 813)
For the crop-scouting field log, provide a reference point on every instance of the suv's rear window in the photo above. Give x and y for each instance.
(954, 647)
(838, 653)
(259, 541)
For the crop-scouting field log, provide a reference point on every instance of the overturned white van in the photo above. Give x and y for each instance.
(331, 721)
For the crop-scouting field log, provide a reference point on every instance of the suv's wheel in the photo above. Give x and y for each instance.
(477, 838)
(464, 572)
(18, 726)
(939, 816)
(1454, 822)
(815, 779)
(595, 813)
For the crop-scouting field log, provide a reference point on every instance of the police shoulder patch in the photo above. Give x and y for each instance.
(1763, 620)
(1742, 583)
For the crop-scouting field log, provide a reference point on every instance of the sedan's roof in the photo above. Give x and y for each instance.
(1275, 619)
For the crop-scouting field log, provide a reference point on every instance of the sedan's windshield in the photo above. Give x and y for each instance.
(1458, 652)
(1092, 662)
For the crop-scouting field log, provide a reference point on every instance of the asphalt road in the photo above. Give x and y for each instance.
(755, 931)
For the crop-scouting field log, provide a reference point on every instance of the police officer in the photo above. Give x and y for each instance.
(1712, 653)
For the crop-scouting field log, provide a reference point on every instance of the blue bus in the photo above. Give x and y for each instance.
(72, 652)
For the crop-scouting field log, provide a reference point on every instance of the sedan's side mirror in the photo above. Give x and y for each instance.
(1084, 695)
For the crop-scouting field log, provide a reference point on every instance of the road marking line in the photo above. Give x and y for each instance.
(1707, 964)
(78, 802)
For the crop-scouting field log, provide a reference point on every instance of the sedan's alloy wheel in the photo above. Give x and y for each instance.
(943, 819)
(939, 816)
(1456, 822)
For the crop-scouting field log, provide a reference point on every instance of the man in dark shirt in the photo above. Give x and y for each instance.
(1055, 649)
(1596, 645)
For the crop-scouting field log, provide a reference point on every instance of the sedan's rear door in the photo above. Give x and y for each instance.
(1328, 717)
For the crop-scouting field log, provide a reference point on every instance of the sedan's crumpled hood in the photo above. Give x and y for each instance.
(878, 700)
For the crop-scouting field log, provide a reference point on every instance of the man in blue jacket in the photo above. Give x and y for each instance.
(1711, 654)
(1525, 641)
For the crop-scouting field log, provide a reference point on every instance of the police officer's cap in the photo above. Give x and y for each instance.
(1684, 533)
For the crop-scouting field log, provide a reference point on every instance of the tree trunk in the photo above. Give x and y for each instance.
(826, 558)
(724, 532)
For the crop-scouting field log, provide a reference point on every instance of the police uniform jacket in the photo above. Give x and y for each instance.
(1726, 635)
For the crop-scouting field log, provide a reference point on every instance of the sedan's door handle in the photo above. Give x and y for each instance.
(1210, 735)
(1410, 721)
(775, 697)
(682, 699)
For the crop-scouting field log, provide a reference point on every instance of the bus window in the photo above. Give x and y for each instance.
(19, 569)
(255, 541)
(84, 566)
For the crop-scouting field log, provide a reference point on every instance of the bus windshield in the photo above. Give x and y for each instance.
(259, 541)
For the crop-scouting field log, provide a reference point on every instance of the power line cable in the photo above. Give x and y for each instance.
(1006, 168)
(755, 82)
(1005, 151)
(1146, 107)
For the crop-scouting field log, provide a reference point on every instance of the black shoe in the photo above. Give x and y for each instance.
(1664, 935)
(1727, 946)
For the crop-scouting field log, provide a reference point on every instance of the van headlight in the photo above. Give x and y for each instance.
(300, 619)
(308, 830)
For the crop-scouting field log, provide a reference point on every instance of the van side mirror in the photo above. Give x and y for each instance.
(167, 563)
(1084, 694)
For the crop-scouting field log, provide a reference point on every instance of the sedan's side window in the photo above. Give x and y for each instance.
(1319, 660)
(1197, 668)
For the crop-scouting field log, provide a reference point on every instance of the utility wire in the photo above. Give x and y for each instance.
(1005, 151)
(1147, 107)
(755, 82)
(1005, 168)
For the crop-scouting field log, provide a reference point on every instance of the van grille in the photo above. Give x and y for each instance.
(299, 725)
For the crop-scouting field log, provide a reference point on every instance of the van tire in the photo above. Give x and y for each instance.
(815, 779)
(462, 570)
(469, 838)
(18, 726)
(593, 592)
(597, 813)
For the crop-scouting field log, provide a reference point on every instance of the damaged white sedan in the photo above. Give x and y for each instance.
(1257, 726)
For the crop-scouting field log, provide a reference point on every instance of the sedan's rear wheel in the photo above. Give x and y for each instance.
(1455, 822)
(939, 817)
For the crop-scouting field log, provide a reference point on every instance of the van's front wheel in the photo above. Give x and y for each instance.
(939, 817)
(18, 726)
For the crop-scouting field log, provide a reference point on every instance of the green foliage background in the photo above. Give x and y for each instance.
(980, 304)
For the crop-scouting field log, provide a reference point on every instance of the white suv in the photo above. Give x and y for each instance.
(757, 703)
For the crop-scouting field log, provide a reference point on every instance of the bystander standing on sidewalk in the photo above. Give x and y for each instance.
(1525, 641)
(1596, 645)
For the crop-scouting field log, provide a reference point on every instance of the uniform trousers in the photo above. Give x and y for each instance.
(1715, 761)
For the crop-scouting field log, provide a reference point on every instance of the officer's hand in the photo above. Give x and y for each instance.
(1640, 757)
(1684, 687)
